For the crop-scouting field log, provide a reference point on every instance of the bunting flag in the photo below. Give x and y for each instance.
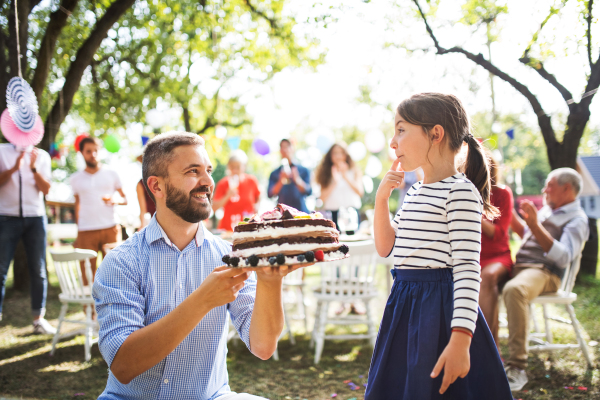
(511, 133)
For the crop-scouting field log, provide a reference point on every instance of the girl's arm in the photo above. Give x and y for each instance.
(385, 236)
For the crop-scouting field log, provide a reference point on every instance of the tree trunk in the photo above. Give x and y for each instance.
(589, 256)
(186, 119)
(564, 154)
(83, 59)
(20, 270)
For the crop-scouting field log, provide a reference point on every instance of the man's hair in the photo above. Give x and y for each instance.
(567, 175)
(238, 156)
(285, 141)
(158, 154)
(87, 140)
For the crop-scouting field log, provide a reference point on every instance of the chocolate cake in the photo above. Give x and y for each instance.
(284, 236)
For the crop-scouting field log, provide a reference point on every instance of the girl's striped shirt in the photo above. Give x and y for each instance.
(439, 226)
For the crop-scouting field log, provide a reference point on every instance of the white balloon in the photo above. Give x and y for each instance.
(367, 183)
(374, 167)
(357, 151)
(221, 132)
(375, 141)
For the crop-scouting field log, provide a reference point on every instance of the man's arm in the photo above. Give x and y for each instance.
(5, 175)
(146, 347)
(77, 205)
(275, 183)
(123, 201)
(574, 235)
(41, 182)
(302, 181)
(267, 316)
(543, 237)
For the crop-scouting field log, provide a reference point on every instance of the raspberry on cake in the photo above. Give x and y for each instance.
(285, 236)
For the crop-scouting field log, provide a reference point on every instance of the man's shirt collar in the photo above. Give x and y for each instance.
(567, 207)
(154, 232)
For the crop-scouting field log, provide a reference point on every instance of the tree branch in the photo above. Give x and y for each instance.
(543, 118)
(83, 59)
(58, 20)
(256, 11)
(592, 85)
(589, 32)
(538, 66)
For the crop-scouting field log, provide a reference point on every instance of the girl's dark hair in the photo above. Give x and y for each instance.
(430, 109)
(323, 173)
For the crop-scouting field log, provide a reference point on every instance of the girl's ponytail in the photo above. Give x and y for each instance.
(476, 168)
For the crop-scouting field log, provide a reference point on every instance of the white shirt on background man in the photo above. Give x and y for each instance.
(94, 214)
(24, 195)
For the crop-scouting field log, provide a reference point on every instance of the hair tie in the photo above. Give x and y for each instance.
(468, 137)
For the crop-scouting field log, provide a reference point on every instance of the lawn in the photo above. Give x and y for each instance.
(27, 371)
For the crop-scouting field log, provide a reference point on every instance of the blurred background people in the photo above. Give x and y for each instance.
(495, 260)
(340, 181)
(24, 180)
(94, 189)
(237, 193)
(291, 181)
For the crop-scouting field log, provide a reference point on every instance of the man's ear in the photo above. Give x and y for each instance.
(437, 134)
(157, 187)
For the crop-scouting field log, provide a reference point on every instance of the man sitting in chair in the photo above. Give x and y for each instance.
(163, 297)
(552, 239)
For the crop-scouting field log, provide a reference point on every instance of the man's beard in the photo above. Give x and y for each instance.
(182, 204)
(91, 164)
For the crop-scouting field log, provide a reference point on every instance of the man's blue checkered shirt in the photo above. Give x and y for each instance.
(143, 280)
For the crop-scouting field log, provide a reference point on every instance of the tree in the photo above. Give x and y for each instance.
(561, 146)
(108, 61)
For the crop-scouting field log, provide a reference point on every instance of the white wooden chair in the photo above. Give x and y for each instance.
(68, 270)
(564, 296)
(348, 280)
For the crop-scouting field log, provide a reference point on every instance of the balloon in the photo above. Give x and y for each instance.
(375, 141)
(112, 144)
(220, 132)
(261, 147)
(367, 183)
(54, 153)
(234, 142)
(374, 167)
(145, 140)
(79, 138)
(357, 151)
(324, 143)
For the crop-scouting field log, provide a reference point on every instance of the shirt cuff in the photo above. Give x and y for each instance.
(556, 251)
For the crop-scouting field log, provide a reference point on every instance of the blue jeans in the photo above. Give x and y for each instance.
(33, 232)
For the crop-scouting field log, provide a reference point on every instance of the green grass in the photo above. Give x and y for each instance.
(27, 371)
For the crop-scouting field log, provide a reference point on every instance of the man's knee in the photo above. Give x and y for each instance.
(514, 290)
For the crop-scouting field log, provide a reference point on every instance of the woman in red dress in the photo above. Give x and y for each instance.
(496, 262)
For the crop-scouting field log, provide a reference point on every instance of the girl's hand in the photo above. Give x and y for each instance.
(454, 360)
(392, 180)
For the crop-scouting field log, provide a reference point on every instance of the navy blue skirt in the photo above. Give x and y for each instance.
(415, 330)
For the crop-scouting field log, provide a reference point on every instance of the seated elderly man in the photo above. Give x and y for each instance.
(552, 238)
(164, 297)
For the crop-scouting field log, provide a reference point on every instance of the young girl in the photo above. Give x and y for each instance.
(432, 332)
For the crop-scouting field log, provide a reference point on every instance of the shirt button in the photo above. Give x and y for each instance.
(166, 381)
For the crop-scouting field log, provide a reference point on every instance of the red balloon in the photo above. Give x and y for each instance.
(79, 138)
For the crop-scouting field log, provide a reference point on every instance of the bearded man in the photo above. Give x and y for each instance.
(163, 297)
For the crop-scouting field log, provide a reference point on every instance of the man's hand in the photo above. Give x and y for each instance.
(529, 213)
(222, 285)
(392, 180)
(33, 157)
(296, 177)
(18, 162)
(454, 360)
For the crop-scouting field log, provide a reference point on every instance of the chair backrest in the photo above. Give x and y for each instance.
(68, 272)
(352, 275)
(571, 271)
(294, 278)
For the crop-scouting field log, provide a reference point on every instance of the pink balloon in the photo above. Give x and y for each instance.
(16, 136)
(261, 147)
